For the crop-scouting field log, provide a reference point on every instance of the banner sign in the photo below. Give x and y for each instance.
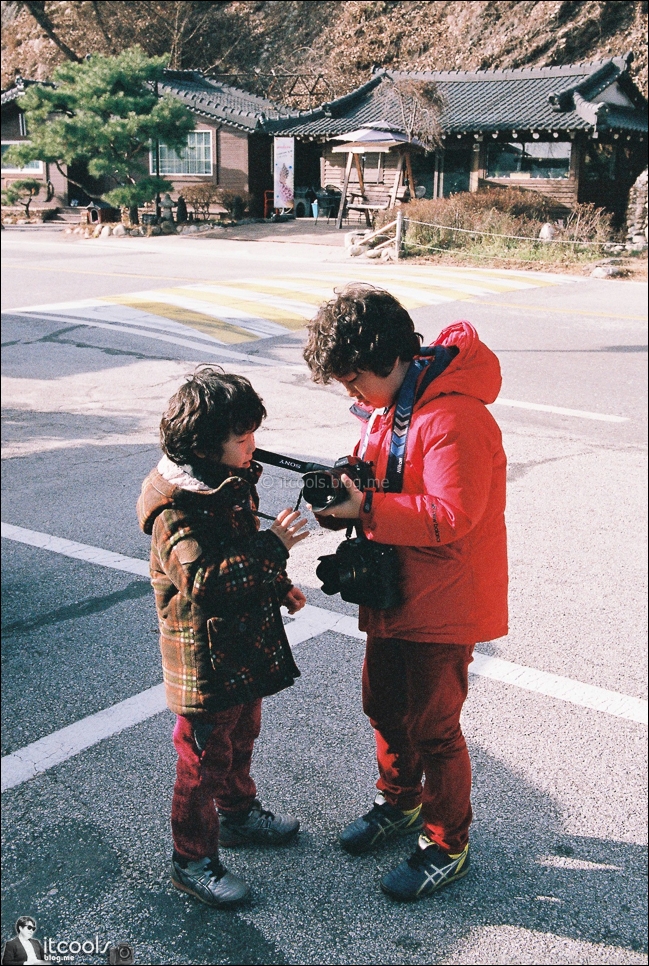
(284, 172)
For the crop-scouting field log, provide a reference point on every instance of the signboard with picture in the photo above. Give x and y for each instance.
(284, 173)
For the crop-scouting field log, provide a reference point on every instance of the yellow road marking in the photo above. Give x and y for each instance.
(298, 294)
(218, 328)
(260, 310)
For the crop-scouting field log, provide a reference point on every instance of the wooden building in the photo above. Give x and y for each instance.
(228, 147)
(575, 133)
(54, 192)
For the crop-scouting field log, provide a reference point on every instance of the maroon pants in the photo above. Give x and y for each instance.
(413, 695)
(213, 771)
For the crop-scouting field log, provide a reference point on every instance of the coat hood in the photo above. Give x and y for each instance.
(168, 484)
(475, 370)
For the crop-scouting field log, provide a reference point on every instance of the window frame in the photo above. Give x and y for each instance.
(33, 170)
(520, 174)
(183, 174)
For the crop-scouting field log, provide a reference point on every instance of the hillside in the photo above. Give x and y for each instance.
(331, 44)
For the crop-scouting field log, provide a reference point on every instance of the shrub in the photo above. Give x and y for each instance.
(200, 197)
(500, 223)
(21, 192)
(234, 202)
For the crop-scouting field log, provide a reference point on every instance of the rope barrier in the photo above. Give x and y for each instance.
(464, 253)
(494, 234)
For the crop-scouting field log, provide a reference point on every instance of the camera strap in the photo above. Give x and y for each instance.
(432, 362)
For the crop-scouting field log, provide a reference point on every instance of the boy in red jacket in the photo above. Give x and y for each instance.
(440, 500)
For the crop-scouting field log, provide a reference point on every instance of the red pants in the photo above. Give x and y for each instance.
(413, 695)
(216, 776)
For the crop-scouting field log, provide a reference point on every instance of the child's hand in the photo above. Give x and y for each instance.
(288, 528)
(294, 600)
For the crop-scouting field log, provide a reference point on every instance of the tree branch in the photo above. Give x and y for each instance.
(37, 10)
(99, 19)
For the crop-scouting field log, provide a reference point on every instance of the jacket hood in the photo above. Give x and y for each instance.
(475, 370)
(161, 490)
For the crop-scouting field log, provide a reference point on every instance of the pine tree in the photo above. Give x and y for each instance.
(105, 112)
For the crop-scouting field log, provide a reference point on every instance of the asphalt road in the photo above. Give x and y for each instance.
(559, 837)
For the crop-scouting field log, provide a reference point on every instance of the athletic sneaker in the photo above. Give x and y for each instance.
(428, 869)
(258, 826)
(382, 822)
(208, 880)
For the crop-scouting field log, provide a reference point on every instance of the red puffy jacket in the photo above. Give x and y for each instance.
(448, 522)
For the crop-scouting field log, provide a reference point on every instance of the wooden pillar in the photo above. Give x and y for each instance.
(397, 180)
(343, 197)
(474, 176)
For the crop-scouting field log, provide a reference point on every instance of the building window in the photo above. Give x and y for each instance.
(22, 124)
(32, 167)
(529, 159)
(196, 158)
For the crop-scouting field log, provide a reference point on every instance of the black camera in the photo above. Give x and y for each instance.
(323, 488)
(121, 953)
(362, 572)
(322, 485)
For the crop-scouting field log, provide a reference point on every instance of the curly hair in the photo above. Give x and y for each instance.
(209, 408)
(363, 329)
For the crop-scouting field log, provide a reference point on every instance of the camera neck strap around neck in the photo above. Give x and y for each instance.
(412, 388)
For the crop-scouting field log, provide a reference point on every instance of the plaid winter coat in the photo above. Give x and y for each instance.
(218, 584)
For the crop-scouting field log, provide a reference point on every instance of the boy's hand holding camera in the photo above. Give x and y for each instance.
(347, 509)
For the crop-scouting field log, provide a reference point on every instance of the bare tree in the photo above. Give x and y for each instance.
(419, 104)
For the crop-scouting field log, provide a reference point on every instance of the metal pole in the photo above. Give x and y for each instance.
(397, 237)
(157, 168)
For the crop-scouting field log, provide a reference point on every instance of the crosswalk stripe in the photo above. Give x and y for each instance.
(227, 331)
(248, 309)
(286, 317)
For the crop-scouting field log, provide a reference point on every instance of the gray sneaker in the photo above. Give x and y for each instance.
(208, 880)
(382, 822)
(256, 827)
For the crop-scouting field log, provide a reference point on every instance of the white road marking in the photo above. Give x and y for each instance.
(542, 408)
(132, 330)
(56, 748)
(310, 622)
(78, 551)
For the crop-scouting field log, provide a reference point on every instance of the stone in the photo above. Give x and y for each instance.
(606, 271)
(155, 230)
(353, 237)
(374, 253)
(106, 231)
(355, 250)
(119, 231)
(168, 228)
(191, 229)
(547, 232)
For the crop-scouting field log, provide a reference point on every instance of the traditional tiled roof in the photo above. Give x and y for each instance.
(20, 86)
(215, 101)
(534, 98)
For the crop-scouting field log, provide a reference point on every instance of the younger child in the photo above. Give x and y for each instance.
(219, 582)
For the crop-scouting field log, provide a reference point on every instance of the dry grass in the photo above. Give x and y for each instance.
(503, 227)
